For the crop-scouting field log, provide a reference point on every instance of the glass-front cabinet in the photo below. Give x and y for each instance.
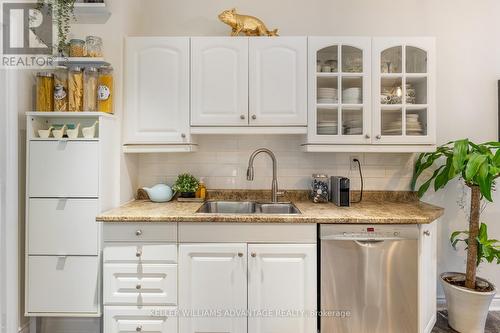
(339, 90)
(403, 90)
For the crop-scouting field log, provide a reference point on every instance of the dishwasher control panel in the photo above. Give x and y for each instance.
(362, 231)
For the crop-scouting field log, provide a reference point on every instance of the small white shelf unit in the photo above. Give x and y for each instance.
(91, 13)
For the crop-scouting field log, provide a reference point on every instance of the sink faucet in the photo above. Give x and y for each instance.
(250, 171)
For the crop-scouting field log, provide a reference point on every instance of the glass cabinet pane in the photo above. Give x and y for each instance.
(352, 121)
(416, 122)
(352, 59)
(352, 90)
(391, 90)
(327, 121)
(391, 60)
(392, 122)
(416, 60)
(327, 90)
(416, 90)
(328, 59)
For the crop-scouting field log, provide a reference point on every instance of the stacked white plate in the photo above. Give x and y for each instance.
(392, 127)
(327, 95)
(353, 127)
(352, 96)
(413, 125)
(328, 128)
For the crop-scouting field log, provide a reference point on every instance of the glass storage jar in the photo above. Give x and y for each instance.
(320, 188)
(61, 88)
(105, 90)
(93, 46)
(75, 88)
(44, 91)
(76, 48)
(90, 78)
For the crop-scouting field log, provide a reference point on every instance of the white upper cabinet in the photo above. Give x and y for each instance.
(219, 81)
(156, 90)
(339, 90)
(282, 277)
(404, 90)
(278, 81)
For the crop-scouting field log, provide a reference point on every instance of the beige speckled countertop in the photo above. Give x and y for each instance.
(372, 210)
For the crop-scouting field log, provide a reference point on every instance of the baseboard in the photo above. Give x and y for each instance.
(495, 304)
(25, 328)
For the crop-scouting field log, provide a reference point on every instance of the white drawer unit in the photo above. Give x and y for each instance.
(68, 227)
(140, 232)
(69, 182)
(63, 169)
(140, 253)
(140, 284)
(140, 319)
(56, 284)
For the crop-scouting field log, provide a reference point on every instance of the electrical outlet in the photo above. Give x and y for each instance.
(354, 165)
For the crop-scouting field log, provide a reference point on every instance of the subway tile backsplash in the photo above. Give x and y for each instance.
(222, 161)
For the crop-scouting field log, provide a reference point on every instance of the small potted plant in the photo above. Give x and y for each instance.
(468, 297)
(186, 185)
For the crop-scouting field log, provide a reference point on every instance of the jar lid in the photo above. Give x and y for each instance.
(93, 37)
(106, 68)
(44, 74)
(76, 69)
(319, 175)
(91, 69)
(61, 67)
(75, 41)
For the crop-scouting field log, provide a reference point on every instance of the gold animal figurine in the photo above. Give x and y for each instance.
(249, 25)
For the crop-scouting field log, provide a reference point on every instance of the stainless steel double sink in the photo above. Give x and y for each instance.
(248, 208)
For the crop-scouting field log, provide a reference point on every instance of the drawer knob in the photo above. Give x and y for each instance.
(254, 117)
(427, 233)
(183, 135)
(138, 232)
(242, 117)
(138, 254)
(138, 287)
(240, 254)
(254, 254)
(379, 137)
(138, 329)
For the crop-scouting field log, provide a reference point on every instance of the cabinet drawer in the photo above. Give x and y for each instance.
(63, 227)
(143, 253)
(140, 284)
(63, 169)
(144, 232)
(63, 284)
(121, 319)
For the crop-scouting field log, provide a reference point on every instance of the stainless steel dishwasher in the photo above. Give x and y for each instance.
(368, 279)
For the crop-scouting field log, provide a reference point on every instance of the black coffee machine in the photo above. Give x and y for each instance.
(340, 191)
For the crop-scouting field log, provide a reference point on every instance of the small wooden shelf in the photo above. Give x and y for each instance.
(91, 13)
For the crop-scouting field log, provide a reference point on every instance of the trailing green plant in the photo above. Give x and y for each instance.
(478, 165)
(186, 183)
(63, 14)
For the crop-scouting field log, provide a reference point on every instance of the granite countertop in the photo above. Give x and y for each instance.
(376, 208)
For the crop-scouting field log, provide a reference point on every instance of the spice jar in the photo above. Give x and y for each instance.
(75, 88)
(76, 48)
(90, 78)
(61, 88)
(320, 188)
(105, 90)
(93, 46)
(44, 92)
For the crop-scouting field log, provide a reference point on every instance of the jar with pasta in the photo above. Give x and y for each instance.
(44, 92)
(105, 90)
(90, 78)
(61, 88)
(75, 88)
(93, 46)
(76, 48)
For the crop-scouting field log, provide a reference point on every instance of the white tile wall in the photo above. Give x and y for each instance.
(223, 160)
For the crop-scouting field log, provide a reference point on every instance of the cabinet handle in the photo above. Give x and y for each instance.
(254, 254)
(138, 232)
(242, 117)
(379, 137)
(138, 287)
(427, 233)
(138, 254)
(367, 136)
(138, 329)
(183, 135)
(254, 117)
(240, 254)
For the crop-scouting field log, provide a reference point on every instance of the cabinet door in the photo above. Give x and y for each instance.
(212, 277)
(427, 267)
(278, 81)
(156, 90)
(404, 90)
(282, 277)
(219, 81)
(339, 90)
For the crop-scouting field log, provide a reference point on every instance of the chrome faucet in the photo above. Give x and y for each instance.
(250, 172)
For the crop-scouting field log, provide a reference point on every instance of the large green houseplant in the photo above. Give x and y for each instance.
(478, 165)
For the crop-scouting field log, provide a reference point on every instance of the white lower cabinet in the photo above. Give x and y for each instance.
(127, 319)
(212, 278)
(282, 279)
